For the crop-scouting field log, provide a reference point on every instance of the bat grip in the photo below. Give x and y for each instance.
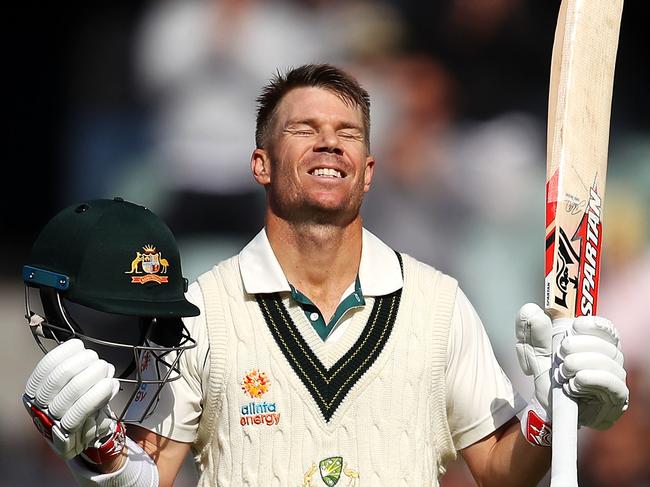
(564, 460)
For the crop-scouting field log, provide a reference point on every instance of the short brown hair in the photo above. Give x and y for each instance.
(309, 75)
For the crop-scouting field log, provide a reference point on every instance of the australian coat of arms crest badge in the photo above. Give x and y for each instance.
(150, 264)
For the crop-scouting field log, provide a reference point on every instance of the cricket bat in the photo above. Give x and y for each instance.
(579, 108)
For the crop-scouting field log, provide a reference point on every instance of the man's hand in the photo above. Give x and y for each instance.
(67, 397)
(590, 370)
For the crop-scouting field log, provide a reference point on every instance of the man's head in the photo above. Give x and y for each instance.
(312, 152)
(323, 76)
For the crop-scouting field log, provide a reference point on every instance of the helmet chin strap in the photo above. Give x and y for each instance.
(40, 326)
(36, 327)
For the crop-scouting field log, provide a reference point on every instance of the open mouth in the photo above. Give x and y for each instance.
(327, 172)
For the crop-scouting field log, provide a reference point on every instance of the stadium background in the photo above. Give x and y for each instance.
(154, 101)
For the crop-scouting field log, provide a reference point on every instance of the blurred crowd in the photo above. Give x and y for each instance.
(160, 109)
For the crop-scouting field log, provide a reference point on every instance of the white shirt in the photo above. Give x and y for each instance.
(474, 377)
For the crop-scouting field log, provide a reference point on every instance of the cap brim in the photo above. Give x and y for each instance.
(179, 309)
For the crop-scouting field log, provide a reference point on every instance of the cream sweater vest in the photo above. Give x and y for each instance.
(265, 422)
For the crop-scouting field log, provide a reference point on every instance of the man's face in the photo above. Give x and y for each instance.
(316, 167)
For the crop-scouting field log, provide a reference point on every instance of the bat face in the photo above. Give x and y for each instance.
(580, 95)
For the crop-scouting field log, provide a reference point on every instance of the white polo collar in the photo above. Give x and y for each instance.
(379, 271)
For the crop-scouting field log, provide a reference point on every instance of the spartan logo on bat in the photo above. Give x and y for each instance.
(567, 256)
(590, 235)
(586, 278)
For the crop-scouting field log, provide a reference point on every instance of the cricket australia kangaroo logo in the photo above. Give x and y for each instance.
(331, 470)
(151, 264)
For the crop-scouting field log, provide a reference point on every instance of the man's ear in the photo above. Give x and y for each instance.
(261, 166)
(369, 172)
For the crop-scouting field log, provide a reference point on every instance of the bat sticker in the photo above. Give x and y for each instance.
(590, 235)
(567, 257)
(585, 278)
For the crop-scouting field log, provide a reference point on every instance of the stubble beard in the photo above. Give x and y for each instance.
(298, 209)
(290, 203)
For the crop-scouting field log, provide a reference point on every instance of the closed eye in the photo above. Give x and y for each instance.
(301, 132)
(350, 135)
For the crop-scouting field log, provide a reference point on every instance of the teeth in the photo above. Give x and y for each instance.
(327, 172)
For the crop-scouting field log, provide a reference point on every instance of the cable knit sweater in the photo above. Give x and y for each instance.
(284, 409)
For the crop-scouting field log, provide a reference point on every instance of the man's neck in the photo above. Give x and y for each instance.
(319, 260)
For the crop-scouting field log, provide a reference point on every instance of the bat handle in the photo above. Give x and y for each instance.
(564, 460)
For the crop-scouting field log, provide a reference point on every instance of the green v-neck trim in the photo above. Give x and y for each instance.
(328, 387)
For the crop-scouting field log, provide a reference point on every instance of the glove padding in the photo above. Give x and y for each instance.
(591, 371)
(535, 349)
(590, 364)
(67, 396)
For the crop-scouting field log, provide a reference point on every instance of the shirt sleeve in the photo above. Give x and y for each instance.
(480, 397)
(178, 411)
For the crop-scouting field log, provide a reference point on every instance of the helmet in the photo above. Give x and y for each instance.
(109, 273)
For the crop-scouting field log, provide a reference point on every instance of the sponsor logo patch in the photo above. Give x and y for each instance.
(255, 384)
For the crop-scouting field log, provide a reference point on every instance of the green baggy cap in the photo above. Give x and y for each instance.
(113, 256)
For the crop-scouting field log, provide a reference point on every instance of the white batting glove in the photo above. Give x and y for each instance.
(590, 371)
(534, 352)
(67, 397)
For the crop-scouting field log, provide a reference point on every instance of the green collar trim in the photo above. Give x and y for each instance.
(353, 300)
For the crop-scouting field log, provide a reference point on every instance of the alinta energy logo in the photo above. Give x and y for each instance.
(255, 384)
